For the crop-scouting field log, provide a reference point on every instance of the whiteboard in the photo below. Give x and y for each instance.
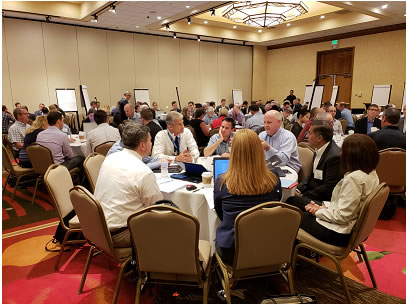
(318, 95)
(237, 96)
(381, 94)
(308, 94)
(141, 95)
(334, 95)
(66, 99)
(85, 95)
(404, 97)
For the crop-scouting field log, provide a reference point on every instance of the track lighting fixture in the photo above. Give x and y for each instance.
(95, 19)
(174, 35)
(188, 20)
(198, 38)
(244, 43)
(167, 26)
(112, 9)
(213, 12)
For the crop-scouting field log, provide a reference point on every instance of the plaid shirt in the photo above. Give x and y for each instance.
(16, 133)
(7, 122)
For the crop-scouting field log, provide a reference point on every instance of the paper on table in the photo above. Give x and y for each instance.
(169, 185)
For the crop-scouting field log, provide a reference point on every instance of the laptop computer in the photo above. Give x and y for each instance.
(220, 166)
(193, 173)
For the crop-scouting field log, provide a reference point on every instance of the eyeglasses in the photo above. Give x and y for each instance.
(374, 109)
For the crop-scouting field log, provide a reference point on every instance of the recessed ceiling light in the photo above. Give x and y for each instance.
(137, 27)
(288, 25)
(322, 17)
(159, 17)
(187, 6)
(259, 31)
(234, 26)
(404, 15)
(205, 21)
(384, 6)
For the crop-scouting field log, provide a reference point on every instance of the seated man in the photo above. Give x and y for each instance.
(125, 184)
(256, 122)
(39, 111)
(364, 125)
(176, 142)
(220, 143)
(402, 121)
(147, 119)
(337, 127)
(287, 118)
(175, 107)
(236, 114)
(102, 133)
(57, 142)
(130, 113)
(346, 114)
(16, 132)
(222, 105)
(278, 141)
(325, 174)
(389, 136)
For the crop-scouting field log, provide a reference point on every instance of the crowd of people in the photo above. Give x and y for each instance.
(331, 196)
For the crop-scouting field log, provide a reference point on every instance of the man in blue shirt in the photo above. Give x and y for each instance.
(278, 141)
(346, 114)
(364, 125)
(220, 143)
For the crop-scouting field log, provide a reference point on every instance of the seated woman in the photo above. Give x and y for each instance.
(223, 113)
(332, 222)
(202, 132)
(186, 115)
(40, 124)
(303, 117)
(246, 184)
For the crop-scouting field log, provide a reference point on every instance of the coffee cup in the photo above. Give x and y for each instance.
(82, 135)
(206, 179)
(350, 132)
(374, 129)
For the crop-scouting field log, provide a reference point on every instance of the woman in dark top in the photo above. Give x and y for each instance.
(202, 132)
(40, 124)
(303, 117)
(246, 184)
(186, 115)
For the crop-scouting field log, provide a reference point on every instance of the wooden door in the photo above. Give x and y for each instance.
(334, 67)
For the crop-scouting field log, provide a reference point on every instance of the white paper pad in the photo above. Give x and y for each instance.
(169, 185)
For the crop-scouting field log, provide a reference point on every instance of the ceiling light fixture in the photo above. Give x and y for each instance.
(213, 12)
(264, 13)
(244, 43)
(167, 26)
(187, 6)
(205, 22)
(322, 17)
(384, 6)
(174, 35)
(288, 25)
(95, 19)
(112, 9)
(259, 31)
(198, 38)
(222, 40)
(158, 17)
(234, 26)
(188, 20)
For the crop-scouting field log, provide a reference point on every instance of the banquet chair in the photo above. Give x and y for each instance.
(13, 169)
(362, 229)
(104, 147)
(9, 146)
(304, 144)
(258, 251)
(391, 169)
(172, 251)
(306, 156)
(343, 124)
(41, 158)
(92, 165)
(94, 228)
(214, 131)
(58, 183)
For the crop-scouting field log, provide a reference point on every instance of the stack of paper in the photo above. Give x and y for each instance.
(169, 185)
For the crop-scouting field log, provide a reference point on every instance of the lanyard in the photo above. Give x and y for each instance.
(175, 147)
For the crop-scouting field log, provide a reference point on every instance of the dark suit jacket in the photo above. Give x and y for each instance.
(389, 137)
(321, 190)
(153, 130)
(401, 124)
(362, 124)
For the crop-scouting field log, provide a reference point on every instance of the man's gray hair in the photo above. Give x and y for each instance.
(133, 134)
(322, 116)
(172, 117)
(17, 111)
(210, 109)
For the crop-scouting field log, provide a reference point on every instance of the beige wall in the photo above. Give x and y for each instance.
(259, 73)
(379, 59)
(39, 57)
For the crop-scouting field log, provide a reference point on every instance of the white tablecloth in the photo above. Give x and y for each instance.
(79, 147)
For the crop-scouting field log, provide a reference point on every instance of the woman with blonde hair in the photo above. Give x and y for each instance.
(40, 124)
(246, 184)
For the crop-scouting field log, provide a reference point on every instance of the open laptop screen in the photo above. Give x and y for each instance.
(220, 165)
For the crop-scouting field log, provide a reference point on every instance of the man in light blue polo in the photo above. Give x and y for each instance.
(220, 143)
(346, 114)
(256, 122)
(278, 141)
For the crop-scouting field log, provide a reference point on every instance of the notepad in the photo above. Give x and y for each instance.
(169, 185)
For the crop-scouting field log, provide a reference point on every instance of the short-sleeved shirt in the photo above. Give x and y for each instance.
(223, 147)
(16, 133)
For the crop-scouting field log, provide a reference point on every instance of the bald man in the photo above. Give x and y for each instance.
(278, 141)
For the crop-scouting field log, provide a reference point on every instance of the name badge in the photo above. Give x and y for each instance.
(318, 174)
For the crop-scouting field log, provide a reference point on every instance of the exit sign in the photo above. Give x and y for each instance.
(334, 43)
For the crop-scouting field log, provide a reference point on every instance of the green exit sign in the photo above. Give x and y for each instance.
(334, 42)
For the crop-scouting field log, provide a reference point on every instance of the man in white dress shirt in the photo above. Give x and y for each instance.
(176, 142)
(125, 184)
(102, 133)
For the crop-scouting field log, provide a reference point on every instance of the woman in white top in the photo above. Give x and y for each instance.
(332, 222)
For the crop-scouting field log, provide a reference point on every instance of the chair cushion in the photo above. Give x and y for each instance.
(74, 222)
(21, 171)
(204, 252)
(122, 253)
(309, 239)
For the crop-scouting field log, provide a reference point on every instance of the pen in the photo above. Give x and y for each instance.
(196, 190)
